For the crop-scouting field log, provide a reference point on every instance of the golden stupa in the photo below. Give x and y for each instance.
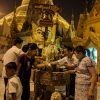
(23, 12)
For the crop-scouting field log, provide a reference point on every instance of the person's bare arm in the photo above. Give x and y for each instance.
(42, 65)
(72, 71)
(54, 62)
(70, 66)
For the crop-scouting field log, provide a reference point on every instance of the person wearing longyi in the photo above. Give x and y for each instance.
(85, 81)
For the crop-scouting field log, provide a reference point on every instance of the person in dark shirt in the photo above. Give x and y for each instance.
(24, 64)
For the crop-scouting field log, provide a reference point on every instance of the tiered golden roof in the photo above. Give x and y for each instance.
(91, 31)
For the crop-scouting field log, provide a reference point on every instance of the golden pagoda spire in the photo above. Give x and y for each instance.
(72, 21)
(82, 21)
(86, 5)
(13, 28)
(72, 27)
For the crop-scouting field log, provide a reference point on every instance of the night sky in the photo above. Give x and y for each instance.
(68, 7)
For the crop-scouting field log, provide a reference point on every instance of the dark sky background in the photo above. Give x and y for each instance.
(67, 6)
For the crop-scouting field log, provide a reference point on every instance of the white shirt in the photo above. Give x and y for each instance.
(14, 86)
(63, 60)
(10, 56)
(73, 60)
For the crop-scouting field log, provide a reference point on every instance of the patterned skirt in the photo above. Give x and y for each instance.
(81, 91)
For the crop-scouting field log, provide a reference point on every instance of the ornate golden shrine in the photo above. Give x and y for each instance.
(41, 17)
(23, 12)
(91, 31)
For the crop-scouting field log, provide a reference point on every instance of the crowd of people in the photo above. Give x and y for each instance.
(19, 60)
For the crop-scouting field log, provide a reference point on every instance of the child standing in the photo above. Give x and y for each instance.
(14, 87)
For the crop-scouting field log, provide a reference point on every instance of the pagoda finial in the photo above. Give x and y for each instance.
(86, 4)
(72, 20)
(72, 16)
(72, 27)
